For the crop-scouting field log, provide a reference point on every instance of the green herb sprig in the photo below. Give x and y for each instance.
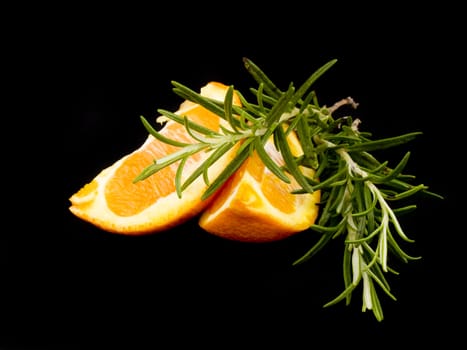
(358, 192)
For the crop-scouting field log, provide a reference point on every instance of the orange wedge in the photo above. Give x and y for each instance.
(256, 206)
(114, 203)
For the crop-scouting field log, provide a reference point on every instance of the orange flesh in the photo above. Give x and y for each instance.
(87, 189)
(121, 191)
(275, 190)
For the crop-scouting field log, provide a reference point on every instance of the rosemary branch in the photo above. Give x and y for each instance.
(357, 189)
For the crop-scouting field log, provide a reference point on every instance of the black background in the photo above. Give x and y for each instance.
(74, 286)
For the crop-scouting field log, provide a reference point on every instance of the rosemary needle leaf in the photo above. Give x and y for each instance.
(247, 112)
(407, 193)
(304, 134)
(331, 181)
(190, 132)
(183, 120)
(169, 159)
(204, 167)
(323, 241)
(218, 152)
(259, 99)
(261, 77)
(268, 162)
(381, 168)
(226, 173)
(310, 81)
(392, 174)
(265, 99)
(228, 101)
(178, 177)
(161, 137)
(279, 108)
(347, 273)
(400, 253)
(290, 160)
(382, 143)
(190, 95)
(404, 210)
(346, 293)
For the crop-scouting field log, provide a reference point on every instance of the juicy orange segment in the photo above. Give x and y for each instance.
(256, 206)
(112, 202)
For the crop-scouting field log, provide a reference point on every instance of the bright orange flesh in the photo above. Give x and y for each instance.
(114, 203)
(257, 206)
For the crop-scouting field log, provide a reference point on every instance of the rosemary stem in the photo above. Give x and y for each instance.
(357, 188)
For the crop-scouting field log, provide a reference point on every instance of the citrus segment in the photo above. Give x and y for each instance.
(256, 206)
(114, 203)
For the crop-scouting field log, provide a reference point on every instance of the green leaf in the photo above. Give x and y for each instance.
(268, 162)
(226, 173)
(261, 77)
(310, 81)
(161, 137)
(169, 160)
(382, 143)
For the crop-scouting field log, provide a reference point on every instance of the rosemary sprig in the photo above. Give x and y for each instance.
(358, 191)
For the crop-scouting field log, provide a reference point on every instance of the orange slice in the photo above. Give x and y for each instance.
(112, 202)
(256, 206)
